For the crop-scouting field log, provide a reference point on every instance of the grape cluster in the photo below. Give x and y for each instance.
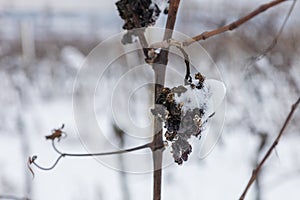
(180, 125)
(181, 150)
(171, 113)
(138, 13)
(190, 125)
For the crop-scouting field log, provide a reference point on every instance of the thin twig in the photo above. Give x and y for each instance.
(51, 166)
(234, 24)
(275, 39)
(274, 42)
(229, 27)
(267, 155)
(62, 155)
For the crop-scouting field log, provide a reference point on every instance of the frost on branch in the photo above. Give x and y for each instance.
(137, 14)
(185, 111)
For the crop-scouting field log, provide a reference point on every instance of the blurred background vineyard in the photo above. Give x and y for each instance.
(42, 46)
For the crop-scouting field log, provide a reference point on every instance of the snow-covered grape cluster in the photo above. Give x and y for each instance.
(182, 109)
(137, 14)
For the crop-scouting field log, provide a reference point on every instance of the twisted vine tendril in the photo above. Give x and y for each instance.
(32, 160)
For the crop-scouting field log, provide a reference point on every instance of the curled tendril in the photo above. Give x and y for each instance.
(32, 160)
(48, 168)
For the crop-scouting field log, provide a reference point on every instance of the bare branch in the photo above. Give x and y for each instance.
(229, 27)
(160, 70)
(172, 14)
(234, 24)
(267, 155)
(275, 39)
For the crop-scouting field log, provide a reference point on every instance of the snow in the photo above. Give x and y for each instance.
(209, 97)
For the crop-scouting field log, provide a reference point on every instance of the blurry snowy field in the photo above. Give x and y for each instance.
(43, 44)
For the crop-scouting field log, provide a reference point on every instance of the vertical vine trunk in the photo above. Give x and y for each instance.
(159, 71)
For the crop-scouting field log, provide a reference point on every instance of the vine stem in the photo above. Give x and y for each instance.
(228, 27)
(267, 155)
(62, 155)
(159, 70)
(233, 25)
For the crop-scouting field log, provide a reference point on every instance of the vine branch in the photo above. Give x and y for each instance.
(233, 25)
(275, 39)
(229, 27)
(267, 155)
(159, 68)
(32, 160)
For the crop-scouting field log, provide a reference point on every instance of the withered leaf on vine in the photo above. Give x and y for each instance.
(57, 133)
